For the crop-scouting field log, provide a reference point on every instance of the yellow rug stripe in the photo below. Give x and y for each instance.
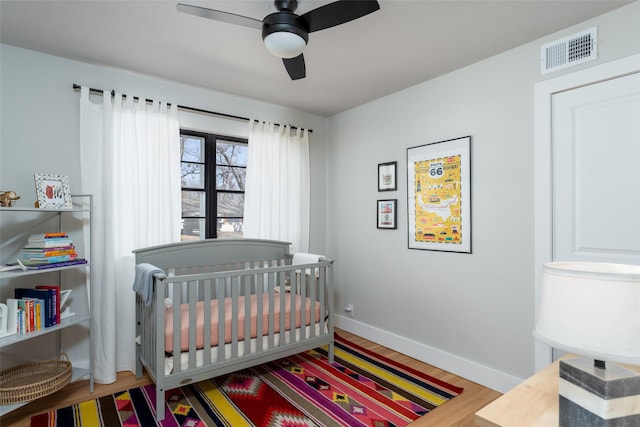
(381, 373)
(222, 405)
(89, 415)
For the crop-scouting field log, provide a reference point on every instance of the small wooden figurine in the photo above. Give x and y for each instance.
(8, 198)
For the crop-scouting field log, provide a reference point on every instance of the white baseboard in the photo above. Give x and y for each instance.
(457, 365)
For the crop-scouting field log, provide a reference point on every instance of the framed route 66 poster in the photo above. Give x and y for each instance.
(439, 196)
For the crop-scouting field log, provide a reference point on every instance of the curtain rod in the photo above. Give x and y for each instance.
(197, 110)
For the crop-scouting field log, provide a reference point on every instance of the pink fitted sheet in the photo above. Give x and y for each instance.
(184, 323)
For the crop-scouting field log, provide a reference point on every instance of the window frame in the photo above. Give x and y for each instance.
(210, 185)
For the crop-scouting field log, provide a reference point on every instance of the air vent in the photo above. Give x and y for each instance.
(570, 51)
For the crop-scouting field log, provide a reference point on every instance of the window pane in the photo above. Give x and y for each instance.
(229, 228)
(193, 203)
(192, 229)
(230, 178)
(230, 204)
(231, 153)
(192, 175)
(191, 149)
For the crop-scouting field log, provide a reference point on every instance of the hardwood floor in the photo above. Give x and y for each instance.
(458, 412)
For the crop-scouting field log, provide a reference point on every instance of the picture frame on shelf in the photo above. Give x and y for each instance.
(387, 176)
(439, 196)
(387, 214)
(53, 191)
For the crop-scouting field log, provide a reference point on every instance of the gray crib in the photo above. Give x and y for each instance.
(222, 286)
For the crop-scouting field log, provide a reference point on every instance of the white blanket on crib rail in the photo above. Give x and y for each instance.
(304, 258)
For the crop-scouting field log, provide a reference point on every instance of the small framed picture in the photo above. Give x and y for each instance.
(53, 191)
(387, 176)
(387, 214)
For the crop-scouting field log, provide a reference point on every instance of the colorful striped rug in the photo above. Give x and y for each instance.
(360, 389)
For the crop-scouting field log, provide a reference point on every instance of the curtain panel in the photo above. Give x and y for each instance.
(276, 204)
(130, 161)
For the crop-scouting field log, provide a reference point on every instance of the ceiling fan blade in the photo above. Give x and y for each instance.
(337, 13)
(230, 18)
(295, 67)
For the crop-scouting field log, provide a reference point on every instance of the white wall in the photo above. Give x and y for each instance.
(469, 314)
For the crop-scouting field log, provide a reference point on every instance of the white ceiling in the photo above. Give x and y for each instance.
(404, 43)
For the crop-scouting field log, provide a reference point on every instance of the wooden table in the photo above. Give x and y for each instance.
(534, 403)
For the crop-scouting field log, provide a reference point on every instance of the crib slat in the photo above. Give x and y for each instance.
(295, 289)
(206, 298)
(193, 299)
(260, 284)
(177, 338)
(246, 288)
(303, 306)
(234, 316)
(221, 294)
(283, 316)
(270, 320)
(313, 289)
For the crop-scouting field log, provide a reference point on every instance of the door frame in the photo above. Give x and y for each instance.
(543, 180)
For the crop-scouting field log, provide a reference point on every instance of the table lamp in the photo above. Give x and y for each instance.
(593, 310)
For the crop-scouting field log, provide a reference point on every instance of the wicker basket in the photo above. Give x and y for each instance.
(33, 380)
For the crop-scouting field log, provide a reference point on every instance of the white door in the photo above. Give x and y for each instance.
(587, 170)
(595, 145)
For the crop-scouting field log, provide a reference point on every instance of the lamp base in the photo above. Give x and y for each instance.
(595, 397)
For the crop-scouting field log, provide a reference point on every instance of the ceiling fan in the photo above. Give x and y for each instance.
(286, 34)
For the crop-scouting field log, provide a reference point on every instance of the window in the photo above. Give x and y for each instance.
(213, 170)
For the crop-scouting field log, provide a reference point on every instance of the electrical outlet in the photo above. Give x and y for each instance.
(349, 309)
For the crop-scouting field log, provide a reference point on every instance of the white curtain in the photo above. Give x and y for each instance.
(130, 157)
(276, 204)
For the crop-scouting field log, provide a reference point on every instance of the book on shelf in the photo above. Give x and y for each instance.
(27, 252)
(38, 314)
(55, 289)
(17, 266)
(50, 243)
(27, 314)
(48, 249)
(48, 260)
(57, 264)
(21, 317)
(48, 235)
(49, 240)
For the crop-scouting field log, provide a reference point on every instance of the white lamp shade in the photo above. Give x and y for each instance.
(591, 309)
(284, 44)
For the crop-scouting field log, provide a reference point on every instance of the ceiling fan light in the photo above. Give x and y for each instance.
(284, 44)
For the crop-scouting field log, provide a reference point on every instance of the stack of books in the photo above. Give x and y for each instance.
(33, 309)
(49, 250)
